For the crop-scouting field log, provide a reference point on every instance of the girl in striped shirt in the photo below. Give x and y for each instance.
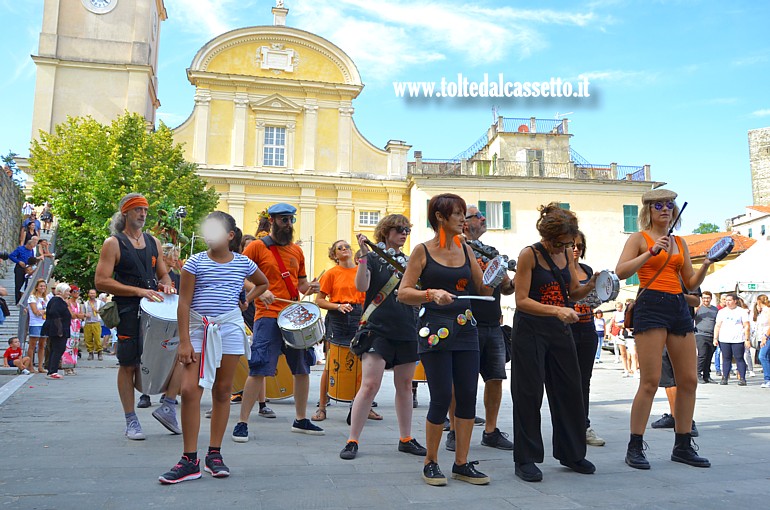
(211, 339)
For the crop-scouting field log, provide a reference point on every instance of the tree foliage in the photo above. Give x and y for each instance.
(706, 228)
(84, 168)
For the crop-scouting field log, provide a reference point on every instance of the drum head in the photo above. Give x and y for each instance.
(165, 309)
(493, 274)
(607, 286)
(298, 316)
(721, 249)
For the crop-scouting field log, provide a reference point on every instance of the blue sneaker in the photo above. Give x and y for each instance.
(183, 470)
(241, 432)
(305, 426)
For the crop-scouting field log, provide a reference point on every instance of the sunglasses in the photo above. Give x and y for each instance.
(557, 244)
(580, 246)
(343, 247)
(660, 205)
(477, 215)
(403, 230)
(286, 219)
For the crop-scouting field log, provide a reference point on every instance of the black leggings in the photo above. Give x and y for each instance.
(585, 344)
(58, 346)
(445, 369)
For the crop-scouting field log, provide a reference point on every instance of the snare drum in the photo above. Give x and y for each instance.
(419, 373)
(159, 334)
(301, 325)
(495, 272)
(344, 373)
(607, 286)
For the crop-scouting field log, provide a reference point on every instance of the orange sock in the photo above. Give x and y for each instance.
(406, 439)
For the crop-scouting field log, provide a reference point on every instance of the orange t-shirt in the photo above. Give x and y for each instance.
(293, 259)
(339, 285)
(668, 280)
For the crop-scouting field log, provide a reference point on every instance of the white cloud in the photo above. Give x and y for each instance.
(761, 113)
(384, 37)
(620, 76)
(750, 60)
(209, 17)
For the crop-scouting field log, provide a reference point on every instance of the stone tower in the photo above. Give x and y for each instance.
(97, 58)
(759, 161)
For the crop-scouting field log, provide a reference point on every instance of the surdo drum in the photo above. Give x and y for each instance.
(160, 337)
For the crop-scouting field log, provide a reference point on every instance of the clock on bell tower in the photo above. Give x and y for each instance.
(97, 58)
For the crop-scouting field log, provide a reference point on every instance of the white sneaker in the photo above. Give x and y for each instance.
(636, 375)
(765, 384)
(626, 374)
(592, 439)
(751, 374)
(25, 372)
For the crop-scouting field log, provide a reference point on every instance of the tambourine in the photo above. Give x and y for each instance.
(607, 286)
(721, 249)
(495, 272)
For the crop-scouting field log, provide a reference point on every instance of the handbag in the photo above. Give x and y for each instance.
(628, 315)
(109, 314)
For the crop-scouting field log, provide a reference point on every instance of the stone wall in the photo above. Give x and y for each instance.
(11, 198)
(759, 160)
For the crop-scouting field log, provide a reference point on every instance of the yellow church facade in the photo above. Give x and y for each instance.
(273, 122)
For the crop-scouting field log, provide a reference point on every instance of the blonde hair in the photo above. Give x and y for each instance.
(390, 221)
(762, 299)
(333, 251)
(645, 219)
(34, 289)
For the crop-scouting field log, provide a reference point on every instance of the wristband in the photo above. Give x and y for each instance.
(652, 252)
(427, 296)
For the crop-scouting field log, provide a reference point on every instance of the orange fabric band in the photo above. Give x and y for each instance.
(133, 203)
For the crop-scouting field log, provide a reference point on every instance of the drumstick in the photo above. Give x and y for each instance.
(677, 218)
(479, 298)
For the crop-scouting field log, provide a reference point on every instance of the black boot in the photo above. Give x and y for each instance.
(635, 454)
(685, 452)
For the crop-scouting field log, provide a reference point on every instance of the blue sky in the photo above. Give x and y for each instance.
(676, 84)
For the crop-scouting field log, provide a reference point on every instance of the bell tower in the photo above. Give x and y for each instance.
(97, 58)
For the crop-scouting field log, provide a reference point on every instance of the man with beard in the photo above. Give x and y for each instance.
(130, 269)
(491, 344)
(283, 263)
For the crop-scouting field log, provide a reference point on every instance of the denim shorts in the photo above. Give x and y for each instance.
(268, 345)
(656, 309)
(36, 331)
(492, 353)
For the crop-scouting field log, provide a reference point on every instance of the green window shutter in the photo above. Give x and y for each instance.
(564, 205)
(483, 207)
(506, 215)
(634, 280)
(630, 218)
(427, 220)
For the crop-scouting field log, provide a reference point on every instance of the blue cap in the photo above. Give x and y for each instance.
(281, 208)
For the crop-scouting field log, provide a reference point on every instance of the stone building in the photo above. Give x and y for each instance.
(759, 161)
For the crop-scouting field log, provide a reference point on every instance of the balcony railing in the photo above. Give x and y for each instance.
(530, 169)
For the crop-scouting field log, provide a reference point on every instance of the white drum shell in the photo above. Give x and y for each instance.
(495, 272)
(305, 335)
(607, 286)
(160, 339)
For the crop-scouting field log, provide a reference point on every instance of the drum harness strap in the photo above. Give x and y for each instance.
(270, 243)
(211, 349)
(382, 294)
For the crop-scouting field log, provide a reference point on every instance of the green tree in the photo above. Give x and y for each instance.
(84, 168)
(706, 228)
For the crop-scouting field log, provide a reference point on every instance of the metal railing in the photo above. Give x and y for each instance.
(514, 125)
(44, 270)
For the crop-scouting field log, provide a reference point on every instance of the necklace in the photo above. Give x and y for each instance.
(135, 239)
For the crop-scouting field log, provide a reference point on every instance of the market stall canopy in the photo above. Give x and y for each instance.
(748, 272)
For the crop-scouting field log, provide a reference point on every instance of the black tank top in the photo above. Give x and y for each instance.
(544, 288)
(451, 279)
(127, 272)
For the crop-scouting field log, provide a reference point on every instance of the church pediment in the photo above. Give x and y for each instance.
(275, 103)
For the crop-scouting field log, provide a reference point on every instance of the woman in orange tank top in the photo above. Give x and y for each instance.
(662, 319)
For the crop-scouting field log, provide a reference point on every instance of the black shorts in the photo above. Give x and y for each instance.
(341, 327)
(491, 353)
(394, 353)
(656, 309)
(129, 347)
(666, 372)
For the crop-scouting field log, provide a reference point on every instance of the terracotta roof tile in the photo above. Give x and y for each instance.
(760, 208)
(700, 244)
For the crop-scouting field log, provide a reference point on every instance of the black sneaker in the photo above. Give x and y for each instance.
(478, 420)
(581, 466)
(414, 401)
(305, 426)
(450, 441)
(374, 403)
(216, 466)
(742, 382)
(413, 447)
(635, 456)
(432, 474)
(446, 424)
(183, 470)
(467, 473)
(665, 422)
(723, 382)
(144, 402)
(350, 451)
(236, 398)
(497, 440)
(241, 432)
(528, 472)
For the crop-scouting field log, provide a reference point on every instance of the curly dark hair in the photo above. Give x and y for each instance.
(555, 222)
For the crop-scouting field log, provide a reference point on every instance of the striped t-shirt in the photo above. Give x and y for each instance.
(217, 286)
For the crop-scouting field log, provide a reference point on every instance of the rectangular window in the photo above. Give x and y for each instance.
(535, 167)
(630, 218)
(275, 146)
(368, 218)
(762, 230)
(751, 233)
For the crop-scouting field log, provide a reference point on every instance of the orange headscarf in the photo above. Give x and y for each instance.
(133, 203)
